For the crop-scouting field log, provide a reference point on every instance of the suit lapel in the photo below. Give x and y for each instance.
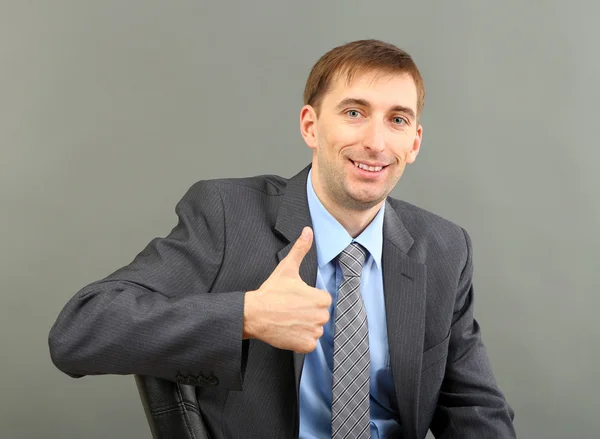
(404, 293)
(292, 217)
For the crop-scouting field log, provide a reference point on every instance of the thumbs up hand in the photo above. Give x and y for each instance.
(285, 312)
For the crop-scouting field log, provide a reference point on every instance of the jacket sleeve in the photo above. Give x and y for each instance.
(470, 405)
(157, 316)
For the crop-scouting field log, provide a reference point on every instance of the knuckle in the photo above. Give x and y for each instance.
(326, 298)
(307, 344)
(300, 246)
(319, 331)
(311, 345)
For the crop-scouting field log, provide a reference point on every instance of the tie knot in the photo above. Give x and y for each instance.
(352, 259)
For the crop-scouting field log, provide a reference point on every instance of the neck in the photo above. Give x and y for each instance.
(354, 221)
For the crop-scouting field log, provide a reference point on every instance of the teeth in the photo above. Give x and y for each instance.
(368, 168)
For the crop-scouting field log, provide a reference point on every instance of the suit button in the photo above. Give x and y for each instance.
(191, 380)
(180, 378)
(213, 380)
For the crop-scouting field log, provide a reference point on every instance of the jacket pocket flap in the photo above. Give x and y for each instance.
(435, 353)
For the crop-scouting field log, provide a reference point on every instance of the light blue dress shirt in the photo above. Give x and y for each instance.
(316, 380)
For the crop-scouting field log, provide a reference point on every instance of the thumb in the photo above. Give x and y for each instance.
(299, 250)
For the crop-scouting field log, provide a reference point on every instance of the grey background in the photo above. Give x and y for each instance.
(119, 106)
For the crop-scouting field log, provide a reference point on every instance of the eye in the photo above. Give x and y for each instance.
(353, 113)
(399, 120)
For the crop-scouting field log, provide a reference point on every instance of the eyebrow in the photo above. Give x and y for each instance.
(363, 103)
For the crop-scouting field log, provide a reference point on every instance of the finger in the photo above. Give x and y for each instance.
(325, 299)
(299, 250)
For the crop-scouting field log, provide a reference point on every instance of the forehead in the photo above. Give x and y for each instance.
(380, 89)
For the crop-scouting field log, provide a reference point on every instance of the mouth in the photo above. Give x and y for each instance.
(369, 168)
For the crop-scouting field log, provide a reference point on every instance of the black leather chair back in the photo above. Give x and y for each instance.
(171, 409)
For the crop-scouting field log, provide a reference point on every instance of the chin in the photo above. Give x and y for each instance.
(365, 202)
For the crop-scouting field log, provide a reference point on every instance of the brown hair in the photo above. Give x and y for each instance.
(360, 57)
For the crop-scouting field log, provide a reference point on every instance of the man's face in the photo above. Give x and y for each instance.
(370, 121)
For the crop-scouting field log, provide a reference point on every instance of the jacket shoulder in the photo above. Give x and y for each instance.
(427, 226)
(272, 185)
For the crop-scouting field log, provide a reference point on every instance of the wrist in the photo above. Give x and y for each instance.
(250, 312)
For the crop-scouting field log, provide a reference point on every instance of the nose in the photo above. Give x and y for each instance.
(374, 138)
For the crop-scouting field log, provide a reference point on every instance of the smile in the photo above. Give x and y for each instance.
(376, 168)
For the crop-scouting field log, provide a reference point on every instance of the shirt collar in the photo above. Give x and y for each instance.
(330, 236)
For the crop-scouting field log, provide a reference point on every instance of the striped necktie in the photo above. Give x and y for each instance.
(350, 392)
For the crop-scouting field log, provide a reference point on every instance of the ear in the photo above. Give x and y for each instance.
(308, 126)
(412, 155)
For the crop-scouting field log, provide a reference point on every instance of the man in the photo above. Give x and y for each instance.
(316, 306)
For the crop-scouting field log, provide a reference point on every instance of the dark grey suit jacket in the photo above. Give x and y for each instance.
(174, 316)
